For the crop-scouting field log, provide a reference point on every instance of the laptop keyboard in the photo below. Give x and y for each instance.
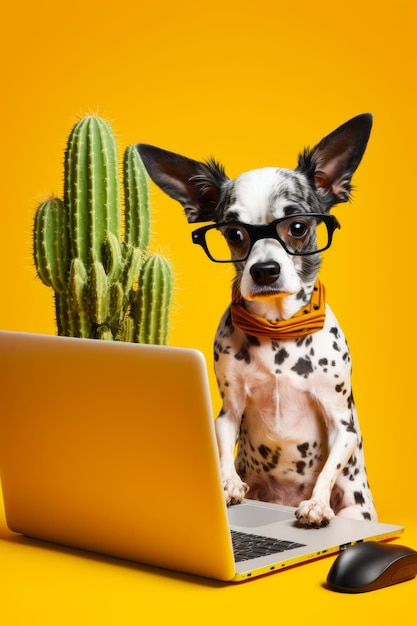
(247, 546)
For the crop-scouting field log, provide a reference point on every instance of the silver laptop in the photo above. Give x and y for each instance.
(110, 447)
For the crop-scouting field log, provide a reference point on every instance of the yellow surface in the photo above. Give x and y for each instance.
(43, 584)
(252, 84)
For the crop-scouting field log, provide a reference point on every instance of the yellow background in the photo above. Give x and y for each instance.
(252, 84)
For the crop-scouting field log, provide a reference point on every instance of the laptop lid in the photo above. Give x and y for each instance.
(110, 447)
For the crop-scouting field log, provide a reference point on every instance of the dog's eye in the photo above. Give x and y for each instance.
(234, 236)
(298, 230)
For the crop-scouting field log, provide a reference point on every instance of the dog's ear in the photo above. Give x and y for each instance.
(330, 165)
(197, 186)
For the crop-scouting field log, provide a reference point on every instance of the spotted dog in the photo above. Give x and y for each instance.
(281, 359)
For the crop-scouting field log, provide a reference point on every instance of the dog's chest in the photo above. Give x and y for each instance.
(282, 387)
(279, 385)
(290, 374)
(283, 440)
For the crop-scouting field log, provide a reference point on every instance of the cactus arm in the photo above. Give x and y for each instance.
(75, 190)
(77, 283)
(133, 264)
(113, 258)
(49, 244)
(104, 185)
(117, 302)
(78, 318)
(136, 190)
(153, 301)
(98, 294)
(91, 188)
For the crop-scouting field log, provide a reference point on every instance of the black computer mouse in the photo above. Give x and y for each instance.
(371, 565)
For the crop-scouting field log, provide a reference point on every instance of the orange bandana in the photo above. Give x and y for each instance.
(309, 319)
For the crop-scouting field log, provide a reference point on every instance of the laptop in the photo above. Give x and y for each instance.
(110, 447)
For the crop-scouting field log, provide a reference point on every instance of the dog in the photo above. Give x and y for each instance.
(281, 360)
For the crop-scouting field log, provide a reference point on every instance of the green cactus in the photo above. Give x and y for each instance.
(153, 295)
(105, 287)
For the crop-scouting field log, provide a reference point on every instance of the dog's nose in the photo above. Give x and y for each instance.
(265, 273)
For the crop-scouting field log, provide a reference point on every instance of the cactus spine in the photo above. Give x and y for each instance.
(105, 287)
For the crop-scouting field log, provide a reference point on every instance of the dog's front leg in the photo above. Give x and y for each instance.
(231, 382)
(317, 511)
(227, 431)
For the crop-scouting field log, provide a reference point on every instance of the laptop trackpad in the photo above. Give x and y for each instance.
(252, 516)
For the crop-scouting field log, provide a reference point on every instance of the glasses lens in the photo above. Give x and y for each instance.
(303, 235)
(227, 243)
(322, 235)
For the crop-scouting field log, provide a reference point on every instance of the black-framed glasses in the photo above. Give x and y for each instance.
(302, 234)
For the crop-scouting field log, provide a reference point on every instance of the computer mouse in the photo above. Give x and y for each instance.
(371, 565)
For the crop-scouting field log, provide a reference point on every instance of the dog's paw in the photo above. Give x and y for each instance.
(234, 490)
(314, 513)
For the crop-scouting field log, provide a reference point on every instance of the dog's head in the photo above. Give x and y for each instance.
(269, 216)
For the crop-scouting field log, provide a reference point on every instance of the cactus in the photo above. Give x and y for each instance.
(105, 287)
